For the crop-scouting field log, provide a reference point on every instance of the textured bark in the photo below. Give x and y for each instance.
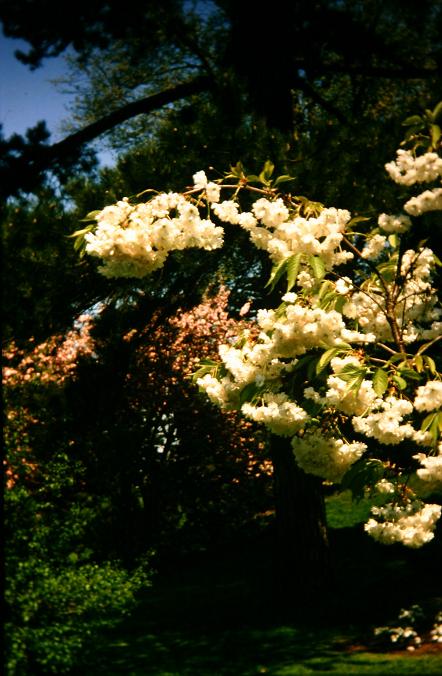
(303, 557)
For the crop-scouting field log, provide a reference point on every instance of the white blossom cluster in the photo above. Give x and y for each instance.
(429, 396)
(278, 413)
(135, 240)
(212, 190)
(326, 457)
(411, 524)
(431, 470)
(271, 227)
(374, 247)
(414, 307)
(338, 395)
(394, 223)
(408, 169)
(384, 422)
(429, 200)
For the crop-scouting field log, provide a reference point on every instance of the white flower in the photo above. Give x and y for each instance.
(384, 487)
(399, 223)
(325, 457)
(385, 425)
(374, 247)
(429, 200)
(227, 211)
(343, 285)
(429, 396)
(411, 524)
(135, 240)
(200, 180)
(213, 192)
(278, 413)
(408, 169)
(431, 471)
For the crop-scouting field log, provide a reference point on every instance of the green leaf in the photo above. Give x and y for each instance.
(407, 372)
(436, 133)
(237, 170)
(430, 363)
(326, 287)
(317, 266)
(380, 381)
(277, 272)
(283, 179)
(350, 372)
(266, 173)
(437, 110)
(249, 392)
(413, 119)
(393, 240)
(427, 421)
(433, 425)
(91, 216)
(339, 303)
(357, 219)
(293, 264)
(329, 354)
(328, 300)
(363, 473)
(81, 233)
(354, 376)
(400, 382)
(269, 168)
(205, 366)
(419, 363)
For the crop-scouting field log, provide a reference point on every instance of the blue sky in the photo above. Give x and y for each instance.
(28, 96)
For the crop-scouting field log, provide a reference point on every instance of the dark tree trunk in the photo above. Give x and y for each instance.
(303, 557)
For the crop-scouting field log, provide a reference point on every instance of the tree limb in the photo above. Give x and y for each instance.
(22, 171)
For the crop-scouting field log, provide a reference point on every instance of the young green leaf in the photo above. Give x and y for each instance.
(317, 266)
(277, 272)
(419, 363)
(413, 119)
(283, 179)
(293, 264)
(329, 354)
(428, 421)
(400, 382)
(380, 381)
(430, 364)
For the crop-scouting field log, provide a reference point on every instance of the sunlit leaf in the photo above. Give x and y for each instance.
(293, 264)
(380, 381)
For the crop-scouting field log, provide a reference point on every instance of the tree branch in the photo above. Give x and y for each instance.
(405, 73)
(23, 171)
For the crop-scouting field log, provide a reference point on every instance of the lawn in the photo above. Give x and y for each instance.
(216, 613)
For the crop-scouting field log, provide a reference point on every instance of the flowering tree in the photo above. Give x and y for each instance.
(345, 367)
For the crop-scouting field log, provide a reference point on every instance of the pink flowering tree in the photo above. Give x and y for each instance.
(343, 370)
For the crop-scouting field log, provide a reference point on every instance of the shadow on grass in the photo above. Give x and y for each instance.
(219, 615)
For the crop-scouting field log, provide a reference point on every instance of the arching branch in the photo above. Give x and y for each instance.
(21, 172)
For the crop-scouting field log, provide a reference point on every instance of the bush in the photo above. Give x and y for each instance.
(54, 613)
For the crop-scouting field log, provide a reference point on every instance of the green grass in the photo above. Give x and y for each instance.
(343, 512)
(218, 615)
